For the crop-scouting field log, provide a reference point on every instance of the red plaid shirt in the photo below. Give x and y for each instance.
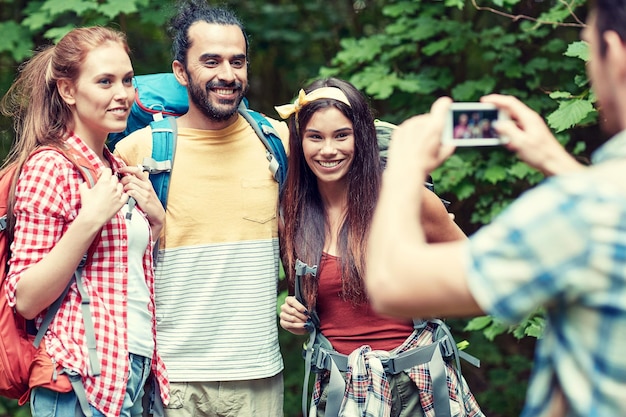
(47, 201)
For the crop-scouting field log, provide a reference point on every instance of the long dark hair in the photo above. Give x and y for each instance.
(305, 224)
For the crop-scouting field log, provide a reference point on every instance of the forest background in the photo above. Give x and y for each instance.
(402, 54)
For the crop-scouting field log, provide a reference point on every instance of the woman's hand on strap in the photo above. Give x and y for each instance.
(293, 316)
(137, 185)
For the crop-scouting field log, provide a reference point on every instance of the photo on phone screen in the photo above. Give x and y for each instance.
(471, 124)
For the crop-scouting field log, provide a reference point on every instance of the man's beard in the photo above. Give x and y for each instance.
(227, 108)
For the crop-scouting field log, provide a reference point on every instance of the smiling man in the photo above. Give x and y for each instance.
(217, 270)
(561, 246)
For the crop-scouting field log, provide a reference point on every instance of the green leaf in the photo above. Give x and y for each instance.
(434, 47)
(359, 51)
(537, 64)
(113, 8)
(503, 43)
(569, 114)
(555, 95)
(417, 83)
(462, 345)
(56, 33)
(466, 190)
(417, 29)
(503, 3)
(558, 13)
(579, 148)
(16, 40)
(58, 7)
(521, 170)
(478, 323)
(376, 81)
(495, 173)
(401, 8)
(578, 49)
(459, 4)
(471, 90)
(37, 20)
(398, 51)
(159, 14)
(495, 329)
(581, 80)
(535, 328)
(554, 45)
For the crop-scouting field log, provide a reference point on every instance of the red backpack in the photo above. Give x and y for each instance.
(17, 347)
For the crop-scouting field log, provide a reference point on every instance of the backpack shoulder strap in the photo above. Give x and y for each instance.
(276, 154)
(6, 184)
(159, 165)
(90, 336)
(164, 132)
(90, 175)
(86, 169)
(302, 269)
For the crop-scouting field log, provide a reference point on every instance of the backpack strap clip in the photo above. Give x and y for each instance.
(79, 391)
(275, 152)
(274, 164)
(156, 167)
(303, 269)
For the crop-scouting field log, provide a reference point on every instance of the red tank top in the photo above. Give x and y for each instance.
(348, 326)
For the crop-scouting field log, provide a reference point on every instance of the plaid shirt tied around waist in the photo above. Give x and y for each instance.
(368, 393)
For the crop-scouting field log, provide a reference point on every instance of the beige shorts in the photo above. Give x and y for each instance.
(252, 398)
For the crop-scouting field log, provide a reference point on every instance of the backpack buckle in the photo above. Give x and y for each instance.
(156, 167)
(388, 365)
(303, 269)
(448, 349)
(274, 165)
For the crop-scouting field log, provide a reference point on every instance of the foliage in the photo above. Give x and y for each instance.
(533, 326)
(423, 50)
(11, 408)
(500, 383)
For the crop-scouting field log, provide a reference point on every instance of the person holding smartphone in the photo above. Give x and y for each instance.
(561, 246)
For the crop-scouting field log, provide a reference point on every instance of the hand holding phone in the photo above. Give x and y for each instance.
(471, 124)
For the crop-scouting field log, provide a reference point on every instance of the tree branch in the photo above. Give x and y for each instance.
(515, 18)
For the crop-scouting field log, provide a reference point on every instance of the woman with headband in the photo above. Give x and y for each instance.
(326, 206)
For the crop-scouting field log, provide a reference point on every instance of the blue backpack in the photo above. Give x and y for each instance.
(159, 99)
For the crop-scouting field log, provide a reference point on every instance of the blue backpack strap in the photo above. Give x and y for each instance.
(276, 154)
(159, 166)
(164, 147)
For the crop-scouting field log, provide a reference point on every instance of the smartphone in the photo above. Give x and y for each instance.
(471, 124)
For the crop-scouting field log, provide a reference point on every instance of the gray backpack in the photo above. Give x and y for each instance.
(319, 356)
